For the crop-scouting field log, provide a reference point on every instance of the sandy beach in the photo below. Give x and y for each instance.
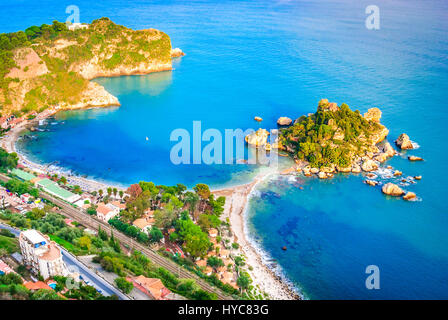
(235, 209)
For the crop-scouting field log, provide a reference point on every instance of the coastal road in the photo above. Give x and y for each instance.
(94, 224)
(75, 265)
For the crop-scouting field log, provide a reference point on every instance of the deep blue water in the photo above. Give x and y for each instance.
(271, 59)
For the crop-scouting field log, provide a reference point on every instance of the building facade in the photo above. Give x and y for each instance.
(42, 255)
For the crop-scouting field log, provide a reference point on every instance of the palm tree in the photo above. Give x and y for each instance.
(121, 193)
(100, 192)
(114, 190)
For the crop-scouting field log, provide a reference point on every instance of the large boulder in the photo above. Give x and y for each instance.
(322, 175)
(284, 121)
(177, 52)
(403, 142)
(371, 182)
(343, 169)
(415, 158)
(258, 138)
(409, 196)
(373, 114)
(392, 190)
(387, 151)
(381, 157)
(369, 165)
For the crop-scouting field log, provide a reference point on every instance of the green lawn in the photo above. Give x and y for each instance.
(67, 245)
(10, 244)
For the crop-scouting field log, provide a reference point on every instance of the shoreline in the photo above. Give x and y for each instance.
(8, 142)
(269, 281)
(235, 209)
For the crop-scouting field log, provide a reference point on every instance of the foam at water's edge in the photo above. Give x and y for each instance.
(264, 255)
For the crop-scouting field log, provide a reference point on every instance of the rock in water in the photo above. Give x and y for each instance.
(418, 177)
(371, 182)
(392, 190)
(414, 158)
(177, 52)
(314, 170)
(373, 114)
(258, 138)
(259, 119)
(343, 169)
(284, 121)
(369, 165)
(284, 248)
(322, 175)
(403, 142)
(409, 196)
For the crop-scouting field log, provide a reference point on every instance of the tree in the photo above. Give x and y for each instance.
(202, 190)
(180, 188)
(121, 193)
(114, 190)
(84, 242)
(91, 210)
(45, 294)
(114, 243)
(155, 234)
(134, 191)
(191, 199)
(100, 192)
(124, 285)
(109, 191)
(243, 282)
(59, 26)
(63, 180)
(215, 262)
(8, 160)
(36, 214)
(196, 242)
(164, 217)
(102, 234)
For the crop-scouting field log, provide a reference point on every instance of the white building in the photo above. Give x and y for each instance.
(106, 212)
(41, 254)
(77, 25)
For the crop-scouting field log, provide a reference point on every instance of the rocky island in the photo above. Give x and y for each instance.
(337, 139)
(51, 65)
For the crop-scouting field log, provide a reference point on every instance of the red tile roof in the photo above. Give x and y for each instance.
(36, 285)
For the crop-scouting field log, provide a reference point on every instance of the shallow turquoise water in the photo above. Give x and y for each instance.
(271, 59)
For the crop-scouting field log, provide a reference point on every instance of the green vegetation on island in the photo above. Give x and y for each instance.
(332, 135)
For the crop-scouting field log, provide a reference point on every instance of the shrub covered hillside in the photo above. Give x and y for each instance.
(333, 135)
(51, 65)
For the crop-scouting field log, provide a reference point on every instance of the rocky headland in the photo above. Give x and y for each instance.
(51, 66)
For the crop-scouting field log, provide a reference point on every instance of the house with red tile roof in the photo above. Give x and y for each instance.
(106, 212)
(33, 286)
(152, 287)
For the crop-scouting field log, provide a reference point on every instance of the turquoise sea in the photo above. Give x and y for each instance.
(271, 59)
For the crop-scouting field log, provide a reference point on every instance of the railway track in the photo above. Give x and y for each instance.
(94, 224)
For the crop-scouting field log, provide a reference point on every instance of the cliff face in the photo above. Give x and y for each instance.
(56, 70)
